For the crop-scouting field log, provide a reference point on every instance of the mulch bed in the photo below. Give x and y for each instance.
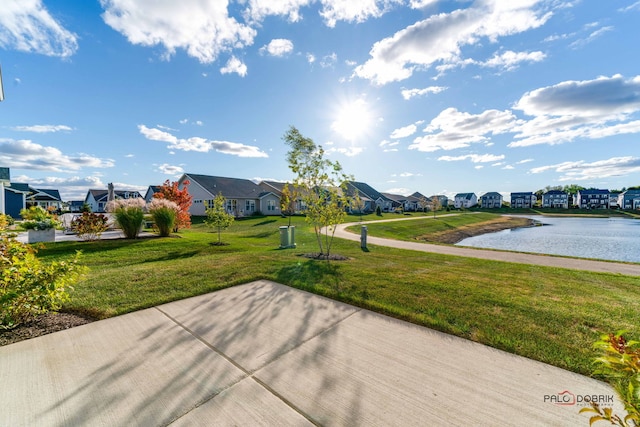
(42, 325)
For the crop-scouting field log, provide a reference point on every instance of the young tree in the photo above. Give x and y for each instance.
(288, 201)
(217, 216)
(435, 204)
(424, 203)
(357, 204)
(182, 198)
(321, 184)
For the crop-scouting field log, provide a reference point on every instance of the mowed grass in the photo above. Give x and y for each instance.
(413, 229)
(548, 314)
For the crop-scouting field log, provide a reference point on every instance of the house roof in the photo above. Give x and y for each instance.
(492, 194)
(19, 187)
(464, 196)
(632, 192)
(101, 195)
(45, 194)
(522, 193)
(593, 191)
(395, 197)
(418, 195)
(274, 186)
(5, 174)
(555, 192)
(231, 188)
(364, 189)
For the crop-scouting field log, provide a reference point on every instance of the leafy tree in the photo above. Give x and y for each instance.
(321, 184)
(181, 197)
(288, 201)
(218, 217)
(435, 204)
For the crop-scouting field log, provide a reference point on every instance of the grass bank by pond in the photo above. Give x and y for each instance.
(448, 229)
(548, 314)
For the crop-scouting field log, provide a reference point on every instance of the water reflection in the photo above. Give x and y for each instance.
(616, 239)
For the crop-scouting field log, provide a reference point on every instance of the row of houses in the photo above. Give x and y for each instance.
(245, 197)
(583, 199)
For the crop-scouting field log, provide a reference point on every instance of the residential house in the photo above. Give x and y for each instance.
(444, 200)
(491, 200)
(555, 199)
(398, 201)
(629, 199)
(592, 199)
(371, 197)
(45, 198)
(465, 200)
(523, 200)
(277, 188)
(153, 189)
(613, 199)
(75, 206)
(244, 197)
(97, 199)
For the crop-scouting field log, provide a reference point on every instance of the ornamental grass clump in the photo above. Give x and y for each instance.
(129, 214)
(164, 213)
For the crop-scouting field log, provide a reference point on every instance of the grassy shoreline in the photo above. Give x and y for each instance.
(548, 314)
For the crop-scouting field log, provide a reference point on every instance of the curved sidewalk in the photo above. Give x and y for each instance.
(265, 354)
(496, 255)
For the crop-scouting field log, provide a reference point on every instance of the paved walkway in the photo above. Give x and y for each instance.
(546, 260)
(266, 354)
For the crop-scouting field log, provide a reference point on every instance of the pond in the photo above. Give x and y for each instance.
(616, 239)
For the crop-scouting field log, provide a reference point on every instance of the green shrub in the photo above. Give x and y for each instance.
(129, 215)
(164, 213)
(37, 218)
(620, 365)
(29, 287)
(89, 226)
(378, 210)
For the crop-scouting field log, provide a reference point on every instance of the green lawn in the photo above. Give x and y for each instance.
(549, 314)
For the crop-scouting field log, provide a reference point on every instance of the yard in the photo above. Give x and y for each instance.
(548, 314)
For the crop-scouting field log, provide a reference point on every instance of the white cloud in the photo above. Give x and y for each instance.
(168, 169)
(201, 144)
(411, 93)
(329, 60)
(520, 162)
(579, 109)
(25, 154)
(508, 167)
(591, 37)
(475, 158)
(43, 128)
(409, 174)
(419, 4)
(234, 65)
(398, 190)
(27, 26)
(347, 151)
(439, 38)
(311, 58)
(454, 129)
(72, 188)
(634, 6)
(581, 170)
(277, 47)
(403, 132)
(203, 29)
(510, 60)
(354, 10)
(257, 10)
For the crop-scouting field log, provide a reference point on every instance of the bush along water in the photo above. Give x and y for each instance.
(129, 214)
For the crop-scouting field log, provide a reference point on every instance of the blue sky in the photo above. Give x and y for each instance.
(408, 95)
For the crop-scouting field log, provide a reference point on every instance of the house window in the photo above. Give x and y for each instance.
(250, 205)
(209, 204)
(271, 205)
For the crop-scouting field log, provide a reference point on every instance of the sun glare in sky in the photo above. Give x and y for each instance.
(353, 120)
